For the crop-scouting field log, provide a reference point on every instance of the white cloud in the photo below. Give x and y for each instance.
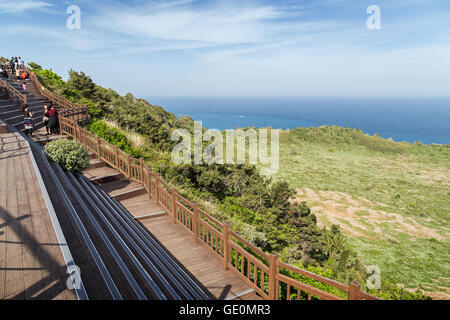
(219, 25)
(19, 6)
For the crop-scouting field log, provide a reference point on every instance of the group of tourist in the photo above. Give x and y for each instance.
(50, 120)
(16, 67)
(16, 64)
(50, 116)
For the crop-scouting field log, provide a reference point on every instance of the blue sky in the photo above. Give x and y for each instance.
(239, 48)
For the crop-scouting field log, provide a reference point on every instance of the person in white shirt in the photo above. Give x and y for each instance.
(20, 63)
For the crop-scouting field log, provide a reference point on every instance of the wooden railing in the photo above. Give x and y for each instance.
(67, 109)
(61, 102)
(268, 276)
(13, 93)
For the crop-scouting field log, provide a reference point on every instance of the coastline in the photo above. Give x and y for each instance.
(401, 119)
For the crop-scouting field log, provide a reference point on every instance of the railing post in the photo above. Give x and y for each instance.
(129, 166)
(149, 175)
(98, 148)
(195, 218)
(61, 125)
(226, 245)
(77, 134)
(117, 159)
(157, 187)
(82, 141)
(141, 163)
(273, 270)
(174, 205)
(353, 290)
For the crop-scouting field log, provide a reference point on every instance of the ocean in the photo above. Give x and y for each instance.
(402, 119)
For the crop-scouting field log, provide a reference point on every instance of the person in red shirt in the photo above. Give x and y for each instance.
(53, 120)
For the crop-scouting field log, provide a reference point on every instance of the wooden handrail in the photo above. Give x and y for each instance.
(56, 99)
(14, 94)
(264, 277)
(313, 276)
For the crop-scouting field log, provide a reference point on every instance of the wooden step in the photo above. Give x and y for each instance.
(141, 205)
(107, 178)
(150, 215)
(95, 163)
(123, 189)
(128, 194)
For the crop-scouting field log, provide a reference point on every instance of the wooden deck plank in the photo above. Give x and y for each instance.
(31, 262)
(3, 226)
(54, 268)
(31, 267)
(14, 279)
(39, 228)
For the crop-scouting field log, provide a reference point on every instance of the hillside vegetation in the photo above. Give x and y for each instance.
(390, 199)
(259, 208)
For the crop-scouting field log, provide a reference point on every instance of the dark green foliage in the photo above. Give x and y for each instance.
(51, 81)
(82, 85)
(34, 66)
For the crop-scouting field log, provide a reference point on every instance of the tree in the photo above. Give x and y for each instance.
(34, 66)
(82, 84)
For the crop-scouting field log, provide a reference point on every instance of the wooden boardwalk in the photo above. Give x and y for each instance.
(31, 262)
(203, 264)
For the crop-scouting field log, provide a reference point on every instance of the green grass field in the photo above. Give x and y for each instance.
(390, 199)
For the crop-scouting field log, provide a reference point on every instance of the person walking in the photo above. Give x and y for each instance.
(53, 119)
(28, 121)
(46, 118)
(11, 66)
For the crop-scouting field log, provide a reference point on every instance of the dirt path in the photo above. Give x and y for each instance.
(357, 216)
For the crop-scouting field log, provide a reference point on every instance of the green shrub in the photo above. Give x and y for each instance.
(70, 155)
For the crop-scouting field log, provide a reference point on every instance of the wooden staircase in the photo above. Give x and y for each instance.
(12, 113)
(130, 194)
(195, 257)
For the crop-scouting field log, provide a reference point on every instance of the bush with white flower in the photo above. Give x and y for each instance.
(70, 155)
